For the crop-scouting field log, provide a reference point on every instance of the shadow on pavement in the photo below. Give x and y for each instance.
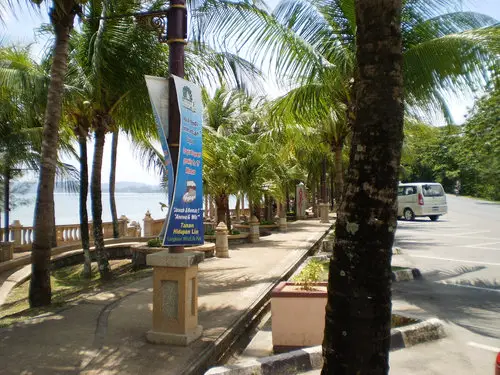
(474, 309)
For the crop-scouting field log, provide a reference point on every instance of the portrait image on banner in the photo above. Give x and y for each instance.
(185, 221)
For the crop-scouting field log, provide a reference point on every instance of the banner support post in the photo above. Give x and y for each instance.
(176, 39)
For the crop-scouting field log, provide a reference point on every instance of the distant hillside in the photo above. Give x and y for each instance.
(121, 187)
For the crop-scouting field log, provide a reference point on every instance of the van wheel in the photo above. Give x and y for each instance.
(434, 217)
(408, 214)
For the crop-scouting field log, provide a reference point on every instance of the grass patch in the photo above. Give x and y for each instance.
(67, 287)
(401, 321)
(396, 268)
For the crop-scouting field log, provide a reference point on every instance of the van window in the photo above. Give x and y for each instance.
(407, 190)
(433, 190)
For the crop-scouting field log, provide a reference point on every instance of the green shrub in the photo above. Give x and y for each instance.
(234, 231)
(210, 232)
(155, 242)
(266, 222)
(309, 275)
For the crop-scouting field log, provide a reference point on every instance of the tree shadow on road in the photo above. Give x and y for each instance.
(474, 309)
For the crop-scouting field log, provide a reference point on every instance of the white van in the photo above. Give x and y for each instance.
(421, 199)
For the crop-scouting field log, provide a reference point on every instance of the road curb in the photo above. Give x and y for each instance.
(219, 349)
(312, 358)
(406, 275)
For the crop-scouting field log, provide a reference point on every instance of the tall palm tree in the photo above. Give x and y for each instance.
(62, 15)
(358, 312)
(113, 55)
(78, 114)
(223, 115)
(20, 134)
(219, 180)
(446, 51)
(22, 97)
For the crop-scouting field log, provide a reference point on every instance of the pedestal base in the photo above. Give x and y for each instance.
(222, 253)
(323, 213)
(282, 224)
(174, 339)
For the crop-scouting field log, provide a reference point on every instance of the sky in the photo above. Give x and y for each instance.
(22, 28)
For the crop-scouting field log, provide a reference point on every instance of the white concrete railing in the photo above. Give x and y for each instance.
(66, 234)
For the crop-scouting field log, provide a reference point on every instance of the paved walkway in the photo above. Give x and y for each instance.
(105, 333)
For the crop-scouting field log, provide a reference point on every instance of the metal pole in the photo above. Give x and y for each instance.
(176, 39)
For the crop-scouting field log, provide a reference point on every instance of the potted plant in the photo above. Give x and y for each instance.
(298, 309)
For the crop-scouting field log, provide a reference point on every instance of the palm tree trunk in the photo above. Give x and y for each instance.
(237, 207)
(332, 189)
(54, 230)
(207, 207)
(228, 213)
(84, 219)
(220, 202)
(339, 173)
(62, 17)
(358, 312)
(6, 197)
(323, 195)
(287, 199)
(257, 209)
(96, 200)
(313, 197)
(267, 205)
(250, 207)
(112, 183)
(213, 208)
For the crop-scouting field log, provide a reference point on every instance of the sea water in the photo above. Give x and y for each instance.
(132, 205)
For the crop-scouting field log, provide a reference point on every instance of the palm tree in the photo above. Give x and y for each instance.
(358, 312)
(19, 126)
(219, 180)
(62, 15)
(223, 115)
(113, 55)
(446, 51)
(22, 98)
(78, 114)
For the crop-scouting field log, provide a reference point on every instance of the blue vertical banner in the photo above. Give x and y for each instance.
(158, 94)
(185, 219)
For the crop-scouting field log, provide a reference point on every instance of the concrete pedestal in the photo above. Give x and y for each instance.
(6, 251)
(282, 224)
(323, 213)
(254, 235)
(221, 241)
(175, 298)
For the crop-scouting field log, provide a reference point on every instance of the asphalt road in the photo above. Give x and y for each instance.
(459, 256)
(463, 247)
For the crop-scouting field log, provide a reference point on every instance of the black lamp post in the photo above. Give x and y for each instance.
(176, 39)
(171, 27)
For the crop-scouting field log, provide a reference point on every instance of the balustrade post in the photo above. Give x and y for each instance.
(17, 230)
(148, 224)
(134, 230)
(122, 226)
(137, 230)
